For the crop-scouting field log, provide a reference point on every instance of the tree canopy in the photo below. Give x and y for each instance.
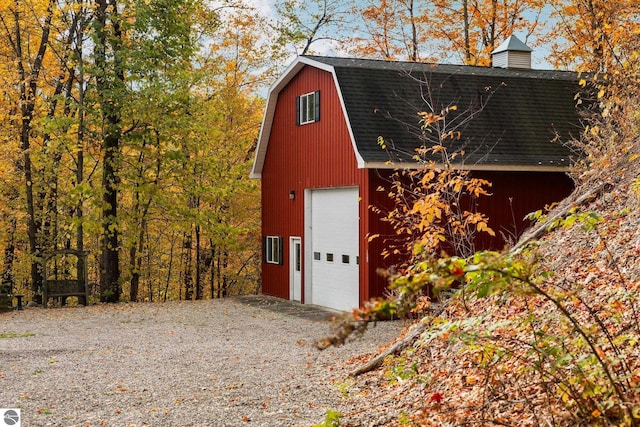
(128, 127)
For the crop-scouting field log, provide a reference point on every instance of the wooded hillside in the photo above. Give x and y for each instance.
(128, 127)
(128, 131)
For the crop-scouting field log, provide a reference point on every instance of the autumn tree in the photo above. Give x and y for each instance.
(11, 178)
(165, 36)
(434, 201)
(597, 35)
(220, 209)
(474, 28)
(391, 30)
(191, 123)
(35, 79)
(233, 221)
(108, 50)
(9, 214)
(464, 31)
(125, 127)
(185, 193)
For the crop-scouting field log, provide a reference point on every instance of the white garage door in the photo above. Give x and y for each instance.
(334, 245)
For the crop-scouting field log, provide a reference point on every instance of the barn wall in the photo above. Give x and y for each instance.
(377, 282)
(513, 196)
(316, 155)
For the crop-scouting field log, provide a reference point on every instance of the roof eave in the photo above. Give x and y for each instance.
(473, 167)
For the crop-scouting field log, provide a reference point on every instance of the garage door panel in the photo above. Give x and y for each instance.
(334, 229)
(335, 287)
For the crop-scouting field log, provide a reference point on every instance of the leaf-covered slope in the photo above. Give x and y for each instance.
(566, 356)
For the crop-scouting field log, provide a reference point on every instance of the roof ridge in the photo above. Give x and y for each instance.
(385, 64)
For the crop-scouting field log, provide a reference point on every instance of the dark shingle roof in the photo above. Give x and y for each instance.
(523, 112)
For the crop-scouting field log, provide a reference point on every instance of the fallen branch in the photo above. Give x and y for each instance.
(414, 332)
(376, 361)
(544, 228)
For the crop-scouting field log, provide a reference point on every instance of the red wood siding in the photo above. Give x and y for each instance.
(316, 155)
(380, 200)
(513, 196)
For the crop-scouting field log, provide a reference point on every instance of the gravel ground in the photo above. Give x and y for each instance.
(205, 363)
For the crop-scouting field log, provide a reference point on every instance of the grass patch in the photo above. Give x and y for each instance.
(14, 335)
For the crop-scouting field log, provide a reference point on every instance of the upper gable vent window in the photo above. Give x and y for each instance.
(308, 108)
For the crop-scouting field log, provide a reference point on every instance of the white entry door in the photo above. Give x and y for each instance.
(335, 250)
(295, 266)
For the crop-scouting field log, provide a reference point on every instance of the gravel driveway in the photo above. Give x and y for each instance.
(206, 363)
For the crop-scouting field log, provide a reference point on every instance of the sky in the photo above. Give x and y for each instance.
(321, 47)
(326, 47)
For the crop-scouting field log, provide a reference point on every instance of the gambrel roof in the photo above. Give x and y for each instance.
(509, 119)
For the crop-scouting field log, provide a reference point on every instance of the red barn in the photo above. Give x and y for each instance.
(320, 162)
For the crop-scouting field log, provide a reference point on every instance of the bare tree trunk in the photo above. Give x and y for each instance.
(8, 278)
(149, 257)
(181, 268)
(108, 81)
(199, 284)
(218, 275)
(222, 261)
(170, 268)
(187, 278)
(79, 209)
(467, 41)
(225, 276)
(136, 262)
(491, 36)
(135, 274)
(414, 32)
(134, 253)
(212, 275)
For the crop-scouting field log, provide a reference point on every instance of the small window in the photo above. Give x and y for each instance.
(298, 259)
(273, 250)
(308, 108)
(345, 259)
(316, 256)
(329, 257)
